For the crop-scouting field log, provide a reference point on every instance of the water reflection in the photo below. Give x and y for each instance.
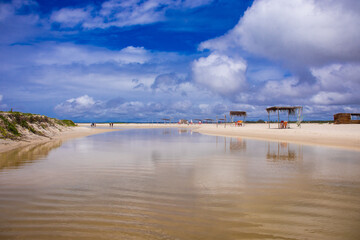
(237, 144)
(144, 184)
(231, 144)
(279, 151)
(25, 155)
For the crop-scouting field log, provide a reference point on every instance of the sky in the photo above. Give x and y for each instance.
(144, 60)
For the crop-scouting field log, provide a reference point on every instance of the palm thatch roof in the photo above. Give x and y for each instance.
(237, 113)
(290, 110)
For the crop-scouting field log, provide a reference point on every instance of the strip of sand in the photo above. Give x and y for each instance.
(65, 134)
(342, 136)
(345, 136)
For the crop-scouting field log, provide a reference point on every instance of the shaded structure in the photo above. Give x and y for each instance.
(208, 120)
(291, 112)
(238, 114)
(347, 118)
(220, 120)
(166, 120)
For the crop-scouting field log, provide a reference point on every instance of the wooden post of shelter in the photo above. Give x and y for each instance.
(278, 118)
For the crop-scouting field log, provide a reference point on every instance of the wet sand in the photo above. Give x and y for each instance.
(68, 133)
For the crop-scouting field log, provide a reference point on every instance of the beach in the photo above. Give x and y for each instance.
(332, 135)
(341, 136)
(345, 136)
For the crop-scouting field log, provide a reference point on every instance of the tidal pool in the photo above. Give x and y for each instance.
(176, 184)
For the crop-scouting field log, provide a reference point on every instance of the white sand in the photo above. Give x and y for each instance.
(343, 136)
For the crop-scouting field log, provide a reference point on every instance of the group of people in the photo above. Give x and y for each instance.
(111, 124)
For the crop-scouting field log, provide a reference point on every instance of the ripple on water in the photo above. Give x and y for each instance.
(179, 187)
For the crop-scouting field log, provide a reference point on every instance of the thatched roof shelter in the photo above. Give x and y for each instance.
(166, 120)
(238, 113)
(291, 110)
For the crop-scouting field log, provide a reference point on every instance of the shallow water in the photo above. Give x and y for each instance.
(175, 184)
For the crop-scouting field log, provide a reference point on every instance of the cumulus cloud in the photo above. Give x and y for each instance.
(77, 106)
(168, 82)
(220, 73)
(297, 33)
(86, 107)
(315, 40)
(120, 13)
(338, 84)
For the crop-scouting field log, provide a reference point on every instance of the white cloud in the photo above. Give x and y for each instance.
(77, 106)
(70, 17)
(298, 32)
(220, 73)
(169, 82)
(339, 84)
(65, 54)
(318, 41)
(15, 26)
(120, 13)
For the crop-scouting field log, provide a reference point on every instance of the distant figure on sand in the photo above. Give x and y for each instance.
(111, 124)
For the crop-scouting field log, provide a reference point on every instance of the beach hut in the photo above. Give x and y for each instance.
(238, 114)
(347, 118)
(291, 112)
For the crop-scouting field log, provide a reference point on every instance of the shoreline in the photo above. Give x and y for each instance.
(313, 134)
(344, 136)
(66, 134)
(328, 135)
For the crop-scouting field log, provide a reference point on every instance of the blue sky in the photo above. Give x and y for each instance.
(143, 60)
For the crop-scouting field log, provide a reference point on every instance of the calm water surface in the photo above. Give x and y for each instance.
(175, 184)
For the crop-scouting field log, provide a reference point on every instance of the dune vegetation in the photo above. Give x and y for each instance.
(14, 125)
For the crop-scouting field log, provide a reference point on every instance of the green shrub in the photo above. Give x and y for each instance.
(10, 126)
(68, 123)
(3, 132)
